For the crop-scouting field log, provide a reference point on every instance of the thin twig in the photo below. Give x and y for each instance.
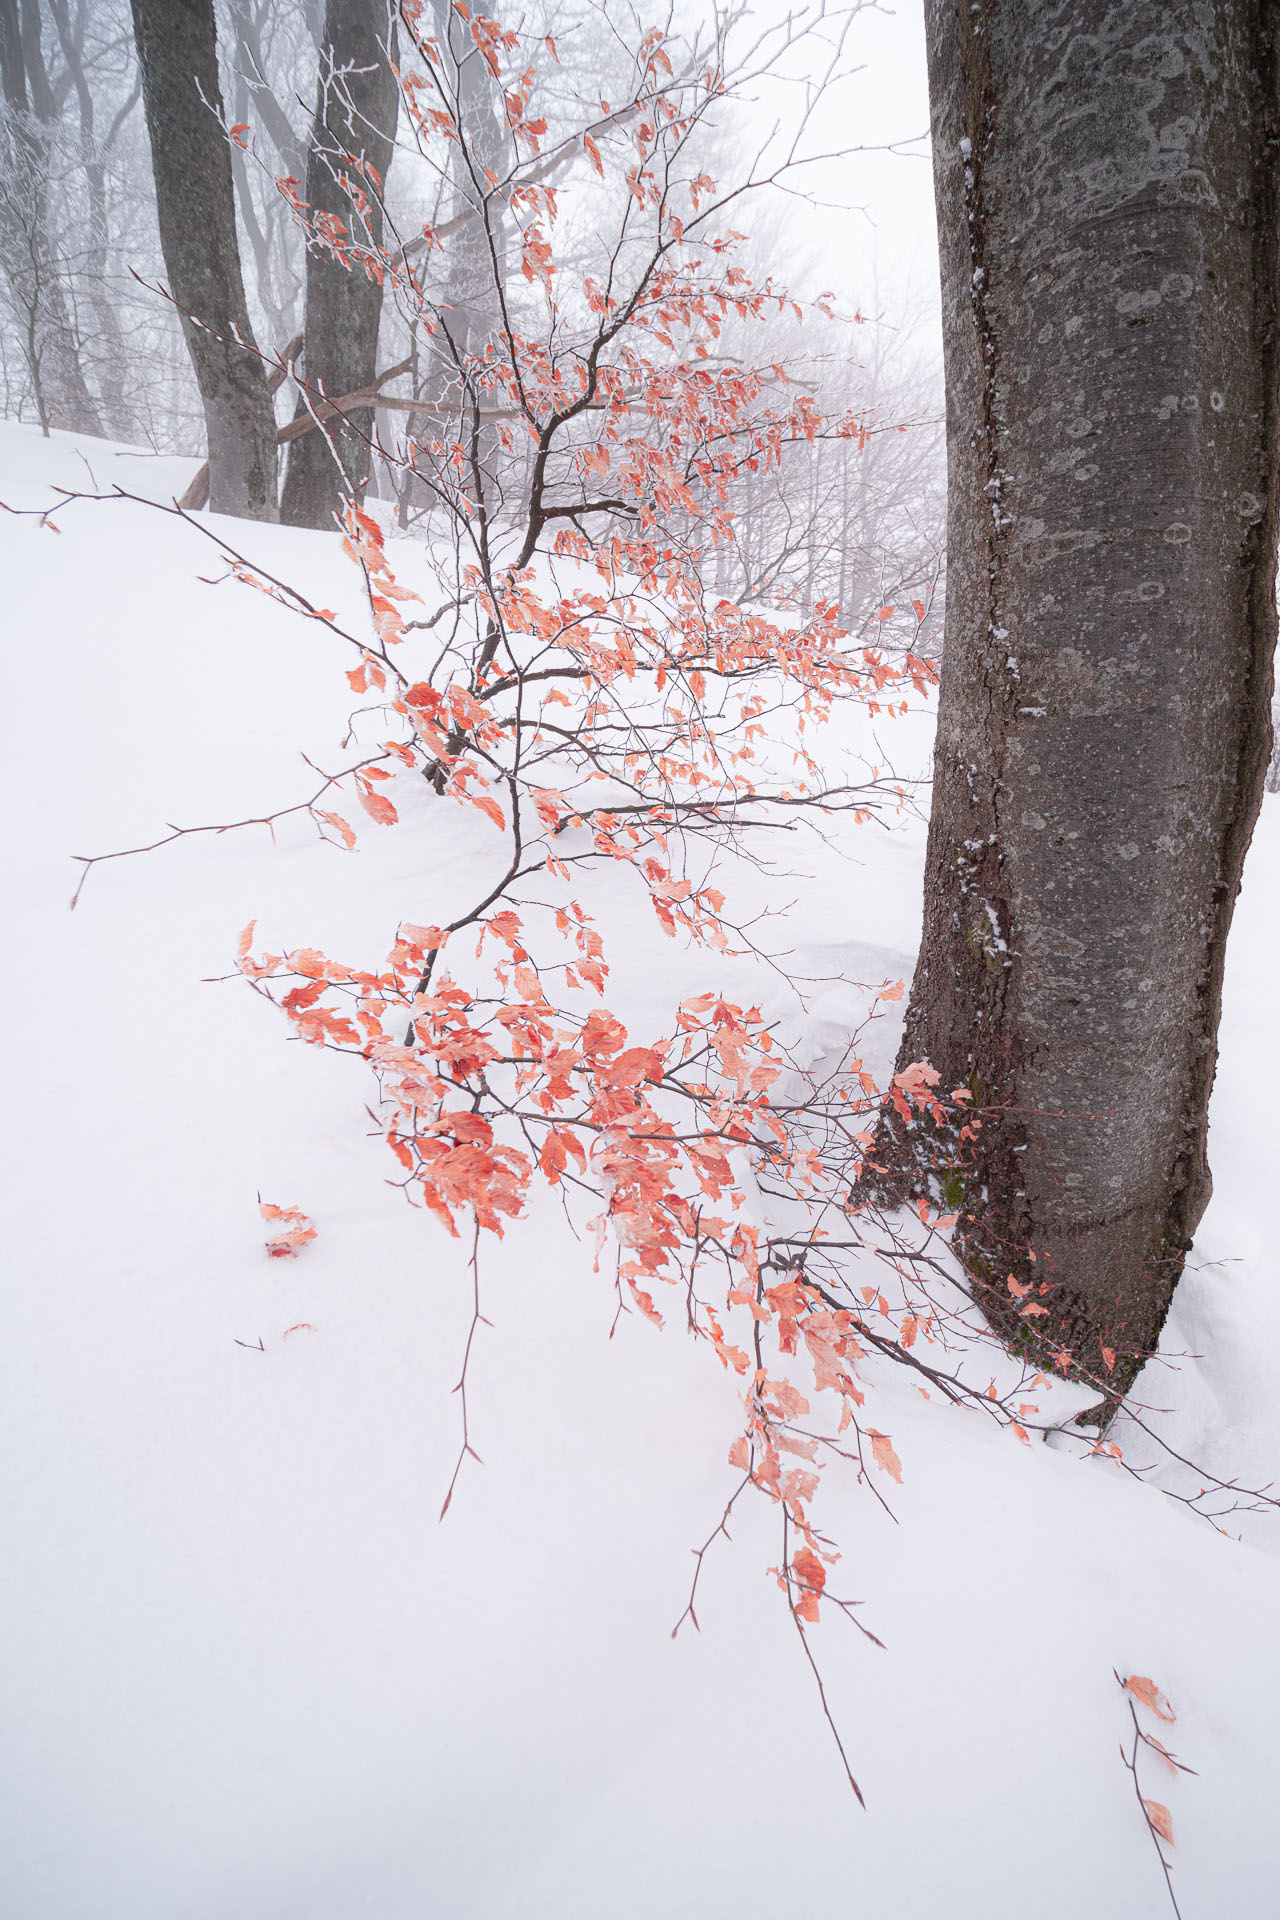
(477, 1319)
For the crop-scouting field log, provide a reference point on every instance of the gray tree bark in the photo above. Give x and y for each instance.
(28, 252)
(356, 108)
(111, 356)
(177, 52)
(481, 157)
(1106, 181)
(466, 287)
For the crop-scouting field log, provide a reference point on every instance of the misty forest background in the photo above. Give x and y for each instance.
(89, 342)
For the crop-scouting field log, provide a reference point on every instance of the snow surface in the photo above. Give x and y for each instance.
(247, 1671)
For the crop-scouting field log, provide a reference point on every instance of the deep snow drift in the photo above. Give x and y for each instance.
(248, 1672)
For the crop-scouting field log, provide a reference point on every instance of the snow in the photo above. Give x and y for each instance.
(247, 1670)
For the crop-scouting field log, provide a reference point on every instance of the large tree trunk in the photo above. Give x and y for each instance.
(356, 107)
(1106, 185)
(177, 52)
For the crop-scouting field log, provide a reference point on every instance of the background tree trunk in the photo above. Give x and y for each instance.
(111, 355)
(177, 52)
(471, 298)
(356, 107)
(1106, 186)
(27, 243)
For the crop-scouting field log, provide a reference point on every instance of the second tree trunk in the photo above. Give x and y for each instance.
(177, 52)
(355, 123)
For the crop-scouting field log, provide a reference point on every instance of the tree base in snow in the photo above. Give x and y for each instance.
(1085, 1303)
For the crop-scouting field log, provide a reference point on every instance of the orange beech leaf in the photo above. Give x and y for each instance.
(246, 939)
(299, 997)
(594, 973)
(891, 992)
(376, 805)
(339, 825)
(812, 1575)
(296, 1231)
(885, 1457)
(1160, 1818)
(917, 1081)
(1150, 1695)
(527, 983)
(492, 809)
(1163, 1751)
(551, 805)
(425, 938)
(556, 1150)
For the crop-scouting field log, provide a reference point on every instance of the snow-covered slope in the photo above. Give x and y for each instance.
(247, 1670)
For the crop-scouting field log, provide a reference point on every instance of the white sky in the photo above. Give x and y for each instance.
(872, 236)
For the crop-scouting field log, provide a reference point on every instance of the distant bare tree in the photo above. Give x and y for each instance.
(351, 147)
(111, 356)
(270, 65)
(34, 275)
